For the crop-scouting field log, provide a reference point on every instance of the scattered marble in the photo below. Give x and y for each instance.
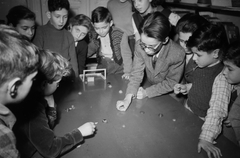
(160, 115)
(142, 112)
(104, 121)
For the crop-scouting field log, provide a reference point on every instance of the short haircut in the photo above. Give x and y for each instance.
(101, 14)
(54, 5)
(53, 66)
(154, 3)
(233, 54)
(190, 22)
(18, 13)
(209, 37)
(156, 25)
(81, 20)
(18, 56)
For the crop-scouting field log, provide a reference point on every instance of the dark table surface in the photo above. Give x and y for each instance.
(159, 127)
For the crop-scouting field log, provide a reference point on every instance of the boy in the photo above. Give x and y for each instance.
(113, 51)
(34, 129)
(158, 56)
(18, 67)
(53, 36)
(23, 20)
(188, 24)
(208, 90)
(145, 7)
(232, 73)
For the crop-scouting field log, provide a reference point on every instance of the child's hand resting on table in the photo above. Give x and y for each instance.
(87, 129)
(122, 105)
(141, 93)
(126, 76)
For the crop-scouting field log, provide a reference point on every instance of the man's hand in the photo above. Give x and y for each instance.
(209, 148)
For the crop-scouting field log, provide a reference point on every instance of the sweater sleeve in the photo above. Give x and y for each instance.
(38, 39)
(72, 54)
(137, 72)
(46, 142)
(126, 54)
(82, 49)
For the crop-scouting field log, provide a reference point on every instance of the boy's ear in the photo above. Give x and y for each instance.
(111, 23)
(216, 53)
(13, 87)
(166, 40)
(48, 13)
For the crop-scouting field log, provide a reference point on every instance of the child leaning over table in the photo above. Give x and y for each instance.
(53, 36)
(208, 90)
(232, 73)
(18, 67)
(110, 45)
(34, 130)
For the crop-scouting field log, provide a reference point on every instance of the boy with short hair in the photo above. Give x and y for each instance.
(208, 90)
(111, 44)
(18, 67)
(53, 36)
(231, 61)
(23, 20)
(34, 129)
(157, 57)
(185, 27)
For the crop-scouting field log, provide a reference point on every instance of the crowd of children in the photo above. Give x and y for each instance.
(200, 64)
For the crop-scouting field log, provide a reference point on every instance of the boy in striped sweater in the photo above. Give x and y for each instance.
(110, 45)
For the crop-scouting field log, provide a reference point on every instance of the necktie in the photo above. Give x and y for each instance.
(154, 60)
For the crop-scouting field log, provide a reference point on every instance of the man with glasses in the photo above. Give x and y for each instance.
(154, 45)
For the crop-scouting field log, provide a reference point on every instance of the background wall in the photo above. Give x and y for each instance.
(5, 5)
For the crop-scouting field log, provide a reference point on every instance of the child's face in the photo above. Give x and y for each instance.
(150, 45)
(50, 88)
(142, 6)
(59, 18)
(231, 72)
(183, 38)
(203, 59)
(26, 27)
(78, 32)
(25, 87)
(102, 28)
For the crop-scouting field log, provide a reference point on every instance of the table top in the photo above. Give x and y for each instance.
(150, 128)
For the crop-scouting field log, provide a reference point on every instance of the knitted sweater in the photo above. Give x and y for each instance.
(120, 48)
(201, 90)
(61, 41)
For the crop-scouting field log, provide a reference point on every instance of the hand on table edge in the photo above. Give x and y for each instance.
(122, 105)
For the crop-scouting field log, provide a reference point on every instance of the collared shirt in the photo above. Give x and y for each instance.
(106, 46)
(7, 138)
(221, 92)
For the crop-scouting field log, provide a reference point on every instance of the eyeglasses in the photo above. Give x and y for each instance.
(150, 48)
